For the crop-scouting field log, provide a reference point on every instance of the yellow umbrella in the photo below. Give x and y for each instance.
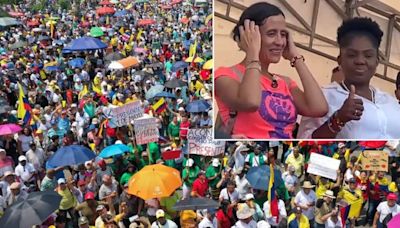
(208, 18)
(50, 64)
(154, 181)
(208, 65)
(196, 60)
(51, 22)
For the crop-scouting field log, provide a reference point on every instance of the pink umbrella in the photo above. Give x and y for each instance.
(8, 129)
(140, 50)
(394, 222)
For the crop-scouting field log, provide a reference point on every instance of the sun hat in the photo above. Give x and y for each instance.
(329, 193)
(244, 211)
(307, 184)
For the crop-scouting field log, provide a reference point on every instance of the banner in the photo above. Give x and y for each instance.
(201, 142)
(374, 160)
(323, 166)
(123, 115)
(146, 130)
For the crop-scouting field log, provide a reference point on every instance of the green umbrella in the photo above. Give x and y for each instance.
(96, 32)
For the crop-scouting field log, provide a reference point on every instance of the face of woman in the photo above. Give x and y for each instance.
(358, 60)
(273, 39)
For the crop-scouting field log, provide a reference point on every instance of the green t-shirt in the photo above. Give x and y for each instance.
(193, 172)
(173, 130)
(125, 178)
(210, 172)
(154, 151)
(168, 203)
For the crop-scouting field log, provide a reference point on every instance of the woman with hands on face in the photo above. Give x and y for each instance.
(357, 110)
(264, 104)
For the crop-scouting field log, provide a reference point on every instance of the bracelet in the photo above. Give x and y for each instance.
(254, 64)
(330, 127)
(252, 61)
(254, 68)
(338, 121)
(294, 60)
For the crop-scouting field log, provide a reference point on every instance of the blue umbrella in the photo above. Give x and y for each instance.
(179, 65)
(198, 106)
(121, 13)
(71, 155)
(85, 44)
(113, 150)
(165, 94)
(153, 91)
(77, 63)
(258, 177)
(52, 68)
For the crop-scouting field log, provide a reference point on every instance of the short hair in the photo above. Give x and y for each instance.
(359, 26)
(257, 12)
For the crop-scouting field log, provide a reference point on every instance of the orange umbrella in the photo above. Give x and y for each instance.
(146, 22)
(105, 10)
(154, 181)
(128, 62)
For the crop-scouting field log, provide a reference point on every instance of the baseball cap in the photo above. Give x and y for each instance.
(215, 162)
(341, 145)
(160, 213)
(81, 182)
(61, 181)
(21, 158)
(189, 162)
(391, 196)
(249, 196)
(2, 150)
(89, 196)
(100, 207)
(83, 220)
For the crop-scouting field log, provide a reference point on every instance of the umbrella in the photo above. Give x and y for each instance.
(153, 91)
(185, 20)
(18, 44)
(96, 32)
(140, 50)
(165, 94)
(121, 13)
(372, 144)
(176, 2)
(105, 3)
(179, 65)
(71, 155)
(114, 1)
(198, 106)
(141, 1)
(113, 150)
(174, 83)
(77, 63)
(196, 60)
(85, 44)
(166, 7)
(35, 209)
(154, 181)
(8, 21)
(208, 65)
(38, 30)
(52, 68)
(195, 204)
(394, 222)
(114, 65)
(41, 38)
(258, 177)
(115, 56)
(105, 10)
(16, 14)
(146, 22)
(9, 129)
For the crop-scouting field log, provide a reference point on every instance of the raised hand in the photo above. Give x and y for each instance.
(352, 108)
(249, 39)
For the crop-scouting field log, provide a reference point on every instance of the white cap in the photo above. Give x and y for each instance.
(21, 158)
(88, 164)
(73, 105)
(95, 121)
(118, 142)
(341, 145)
(148, 82)
(181, 109)
(61, 181)
(215, 162)
(249, 196)
(2, 150)
(189, 162)
(179, 101)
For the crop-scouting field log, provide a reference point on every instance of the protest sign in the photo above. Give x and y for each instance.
(374, 160)
(122, 116)
(146, 130)
(201, 142)
(323, 166)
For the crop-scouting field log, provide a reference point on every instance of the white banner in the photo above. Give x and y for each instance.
(201, 142)
(122, 116)
(146, 130)
(323, 166)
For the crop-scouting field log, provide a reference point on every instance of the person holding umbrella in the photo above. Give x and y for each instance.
(68, 201)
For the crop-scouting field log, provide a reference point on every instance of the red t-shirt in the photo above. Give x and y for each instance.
(199, 187)
(224, 219)
(184, 128)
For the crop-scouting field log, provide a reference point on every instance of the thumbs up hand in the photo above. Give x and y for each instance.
(352, 108)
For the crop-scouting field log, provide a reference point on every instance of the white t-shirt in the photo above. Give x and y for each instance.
(36, 158)
(384, 210)
(231, 197)
(242, 186)
(240, 224)
(24, 172)
(206, 223)
(290, 180)
(239, 158)
(272, 219)
(25, 140)
(330, 224)
(303, 199)
(380, 120)
(168, 224)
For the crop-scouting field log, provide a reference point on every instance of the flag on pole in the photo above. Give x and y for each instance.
(83, 92)
(160, 106)
(272, 199)
(24, 108)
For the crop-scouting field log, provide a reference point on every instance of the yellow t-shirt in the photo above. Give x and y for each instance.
(296, 162)
(68, 199)
(321, 188)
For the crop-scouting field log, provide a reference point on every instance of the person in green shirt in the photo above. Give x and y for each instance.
(213, 174)
(189, 175)
(154, 151)
(167, 204)
(173, 129)
(130, 170)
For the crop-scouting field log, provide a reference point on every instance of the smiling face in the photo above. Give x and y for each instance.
(273, 39)
(358, 60)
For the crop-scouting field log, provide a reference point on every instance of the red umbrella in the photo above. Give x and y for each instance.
(105, 3)
(372, 144)
(16, 14)
(176, 2)
(33, 23)
(146, 22)
(185, 20)
(105, 10)
(84, 24)
(166, 7)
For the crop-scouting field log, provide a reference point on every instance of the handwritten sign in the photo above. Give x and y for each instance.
(201, 142)
(146, 130)
(374, 160)
(323, 166)
(123, 115)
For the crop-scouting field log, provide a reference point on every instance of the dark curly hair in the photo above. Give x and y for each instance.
(257, 12)
(359, 26)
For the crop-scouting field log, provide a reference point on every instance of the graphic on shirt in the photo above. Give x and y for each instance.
(279, 111)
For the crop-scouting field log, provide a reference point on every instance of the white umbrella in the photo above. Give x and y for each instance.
(114, 65)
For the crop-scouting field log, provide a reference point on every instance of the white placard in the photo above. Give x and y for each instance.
(122, 116)
(146, 130)
(201, 142)
(323, 166)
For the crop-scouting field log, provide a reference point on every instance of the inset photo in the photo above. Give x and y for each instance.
(306, 70)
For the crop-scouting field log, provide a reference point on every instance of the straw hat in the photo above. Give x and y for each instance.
(244, 212)
(307, 184)
(329, 193)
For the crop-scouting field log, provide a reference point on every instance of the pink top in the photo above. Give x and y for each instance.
(276, 115)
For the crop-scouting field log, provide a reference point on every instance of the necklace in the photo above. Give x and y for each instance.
(274, 83)
(372, 91)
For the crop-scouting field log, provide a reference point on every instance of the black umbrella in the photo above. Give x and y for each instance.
(32, 211)
(115, 56)
(18, 44)
(195, 204)
(174, 83)
(144, 74)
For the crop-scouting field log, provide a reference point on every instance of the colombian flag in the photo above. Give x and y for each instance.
(160, 106)
(350, 211)
(272, 199)
(24, 108)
